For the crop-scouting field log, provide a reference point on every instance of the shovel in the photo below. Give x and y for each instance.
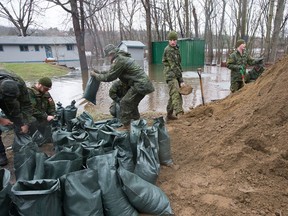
(201, 85)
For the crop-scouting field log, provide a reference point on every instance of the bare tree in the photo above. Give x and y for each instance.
(20, 13)
(146, 4)
(276, 31)
(196, 26)
(77, 10)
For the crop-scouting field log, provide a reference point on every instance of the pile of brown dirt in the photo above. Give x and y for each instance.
(233, 153)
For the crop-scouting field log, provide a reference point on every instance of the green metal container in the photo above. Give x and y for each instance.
(192, 52)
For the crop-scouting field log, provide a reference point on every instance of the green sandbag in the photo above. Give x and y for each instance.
(82, 194)
(165, 157)
(39, 172)
(147, 167)
(5, 189)
(144, 196)
(37, 197)
(62, 163)
(91, 89)
(24, 161)
(114, 200)
(70, 112)
(125, 155)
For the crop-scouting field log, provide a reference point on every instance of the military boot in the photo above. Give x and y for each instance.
(180, 115)
(3, 159)
(170, 116)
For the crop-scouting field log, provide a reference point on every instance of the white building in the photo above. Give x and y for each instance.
(136, 48)
(14, 49)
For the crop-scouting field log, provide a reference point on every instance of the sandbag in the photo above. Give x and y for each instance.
(86, 118)
(91, 89)
(147, 167)
(39, 172)
(61, 138)
(62, 163)
(20, 140)
(144, 196)
(70, 112)
(114, 200)
(24, 161)
(37, 197)
(165, 157)
(82, 194)
(5, 189)
(135, 131)
(124, 155)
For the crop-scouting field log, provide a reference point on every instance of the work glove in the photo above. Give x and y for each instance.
(242, 69)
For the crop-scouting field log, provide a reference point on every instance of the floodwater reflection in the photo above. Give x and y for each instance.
(216, 83)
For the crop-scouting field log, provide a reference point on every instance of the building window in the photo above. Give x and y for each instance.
(70, 47)
(24, 48)
(36, 47)
(1, 48)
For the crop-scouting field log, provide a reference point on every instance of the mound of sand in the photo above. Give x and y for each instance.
(233, 153)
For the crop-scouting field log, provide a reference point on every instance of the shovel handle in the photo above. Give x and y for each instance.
(201, 85)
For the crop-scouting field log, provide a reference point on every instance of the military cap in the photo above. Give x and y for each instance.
(45, 81)
(108, 49)
(9, 88)
(239, 42)
(172, 35)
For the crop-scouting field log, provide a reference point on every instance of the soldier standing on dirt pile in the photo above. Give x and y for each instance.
(237, 62)
(16, 105)
(173, 74)
(43, 107)
(131, 74)
(116, 93)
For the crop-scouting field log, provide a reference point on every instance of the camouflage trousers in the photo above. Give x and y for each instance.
(114, 109)
(129, 106)
(175, 101)
(236, 85)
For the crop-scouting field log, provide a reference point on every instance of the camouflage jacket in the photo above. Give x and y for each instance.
(18, 111)
(129, 72)
(43, 104)
(172, 63)
(118, 90)
(236, 61)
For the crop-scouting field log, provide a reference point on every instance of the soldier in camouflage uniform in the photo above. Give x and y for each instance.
(173, 74)
(43, 107)
(237, 61)
(16, 105)
(131, 74)
(116, 93)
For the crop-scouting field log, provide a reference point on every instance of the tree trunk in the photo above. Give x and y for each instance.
(196, 27)
(267, 46)
(80, 37)
(276, 32)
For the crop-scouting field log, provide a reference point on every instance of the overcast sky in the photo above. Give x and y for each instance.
(54, 17)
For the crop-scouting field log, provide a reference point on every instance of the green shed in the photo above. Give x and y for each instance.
(192, 52)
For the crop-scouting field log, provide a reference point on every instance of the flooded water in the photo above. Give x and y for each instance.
(216, 84)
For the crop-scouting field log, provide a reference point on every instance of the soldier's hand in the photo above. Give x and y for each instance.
(24, 129)
(50, 117)
(182, 84)
(5, 122)
(92, 73)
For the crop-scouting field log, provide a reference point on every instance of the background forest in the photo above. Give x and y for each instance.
(95, 23)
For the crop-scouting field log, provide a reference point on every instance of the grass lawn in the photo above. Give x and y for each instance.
(34, 71)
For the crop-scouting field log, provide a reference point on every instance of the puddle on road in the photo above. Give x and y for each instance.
(216, 84)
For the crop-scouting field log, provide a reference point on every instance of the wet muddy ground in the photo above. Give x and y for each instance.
(215, 79)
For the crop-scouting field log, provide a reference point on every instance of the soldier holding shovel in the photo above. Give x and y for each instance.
(237, 62)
